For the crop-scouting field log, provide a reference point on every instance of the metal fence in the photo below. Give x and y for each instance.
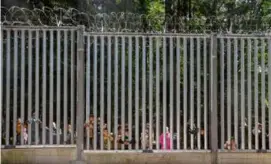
(136, 91)
(39, 77)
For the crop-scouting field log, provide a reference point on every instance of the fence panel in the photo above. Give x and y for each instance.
(244, 106)
(142, 91)
(36, 62)
(151, 94)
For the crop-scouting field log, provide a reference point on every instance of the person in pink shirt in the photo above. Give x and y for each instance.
(167, 146)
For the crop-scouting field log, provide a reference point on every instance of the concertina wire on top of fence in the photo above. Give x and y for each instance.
(133, 22)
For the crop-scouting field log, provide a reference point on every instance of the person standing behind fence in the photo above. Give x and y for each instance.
(127, 141)
(25, 135)
(230, 144)
(90, 126)
(167, 139)
(108, 138)
(18, 129)
(33, 121)
(149, 137)
(259, 133)
(69, 134)
(21, 125)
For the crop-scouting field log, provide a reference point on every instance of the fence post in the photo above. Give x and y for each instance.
(1, 76)
(214, 119)
(80, 95)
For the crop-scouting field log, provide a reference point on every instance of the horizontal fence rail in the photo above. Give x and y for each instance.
(142, 91)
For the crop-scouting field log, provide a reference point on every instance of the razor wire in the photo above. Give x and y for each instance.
(132, 22)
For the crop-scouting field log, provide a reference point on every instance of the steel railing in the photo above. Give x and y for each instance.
(161, 92)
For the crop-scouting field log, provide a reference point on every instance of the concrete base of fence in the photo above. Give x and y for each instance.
(67, 156)
(77, 162)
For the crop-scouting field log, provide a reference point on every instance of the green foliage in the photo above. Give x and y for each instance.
(118, 1)
(266, 8)
(156, 11)
(60, 3)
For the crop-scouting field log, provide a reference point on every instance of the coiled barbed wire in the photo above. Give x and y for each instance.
(131, 22)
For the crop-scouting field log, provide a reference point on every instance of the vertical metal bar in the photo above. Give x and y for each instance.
(150, 92)
(205, 94)
(256, 93)
(29, 86)
(65, 85)
(137, 94)
(116, 90)
(51, 86)
(198, 92)
(222, 93)
(72, 87)
(249, 92)
(229, 88)
(22, 104)
(214, 124)
(122, 89)
(37, 102)
(192, 91)
(263, 93)
(143, 93)
(164, 91)
(88, 92)
(269, 90)
(95, 94)
(44, 87)
(109, 88)
(102, 94)
(171, 89)
(15, 86)
(80, 94)
(185, 95)
(1, 79)
(235, 74)
(157, 92)
(8, 88)
(58, 94)
(178, 104)
(130, 103)
(242, 95)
